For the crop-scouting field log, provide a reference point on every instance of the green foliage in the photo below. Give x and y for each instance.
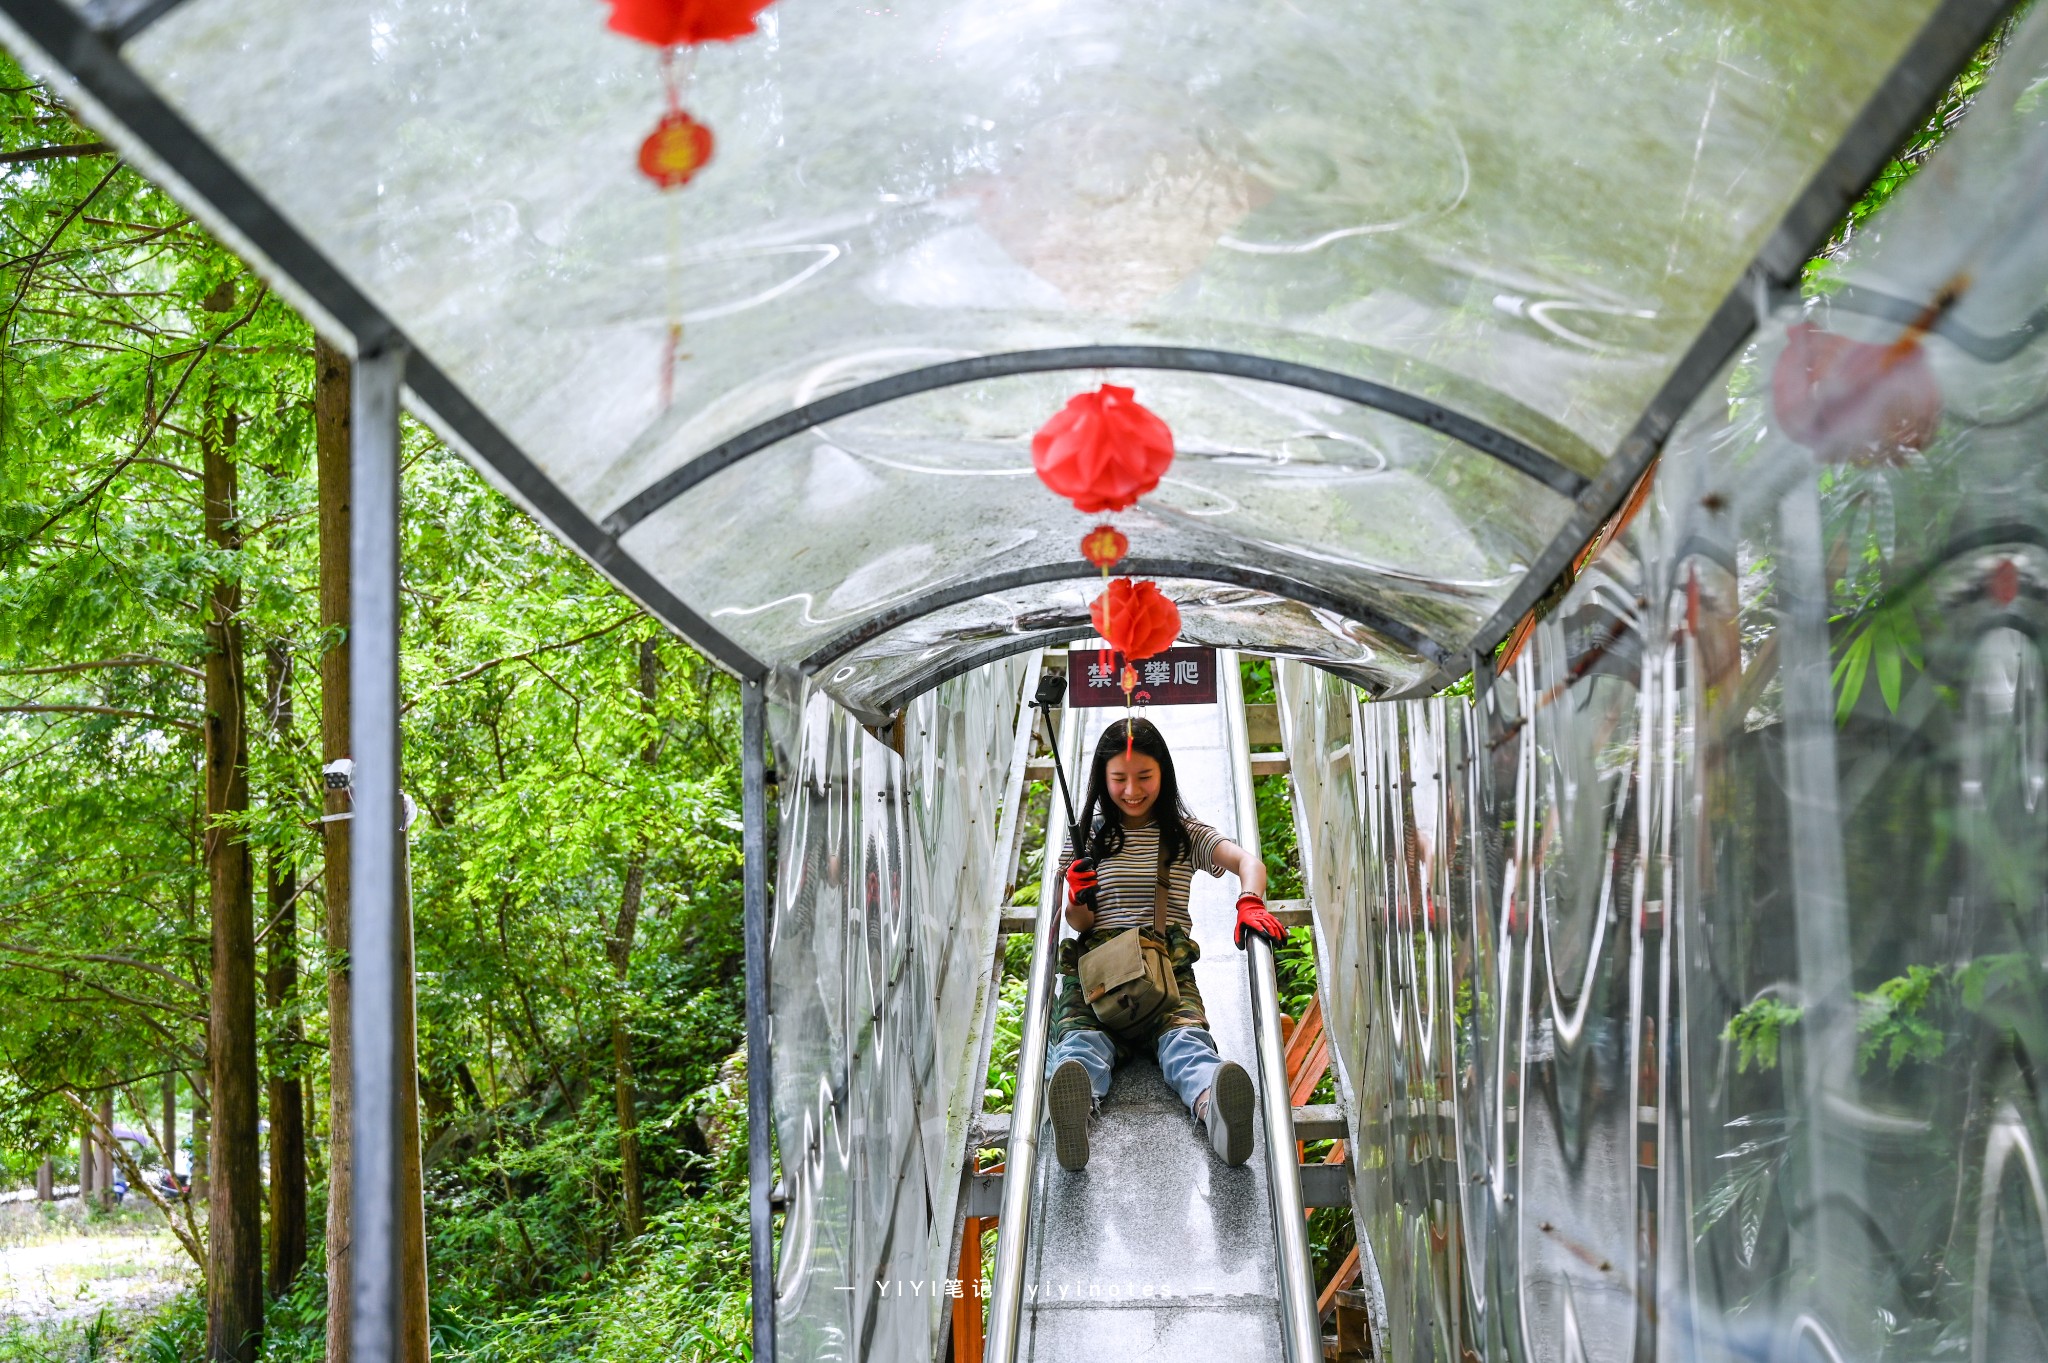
(1000, 1095)
(1755, 1031)
(1256, 677)
(1894, 1022)
(1275, 799)
(86, 1341)
(1883, 641)
(1916, 1017)
(1745, 1189)
(1039, 800)
(544, 778)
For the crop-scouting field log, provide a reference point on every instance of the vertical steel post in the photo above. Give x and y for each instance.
(1020, 1163)
(1300, 1327)
(1832, 1236)
(760, 1113)
(374, 898)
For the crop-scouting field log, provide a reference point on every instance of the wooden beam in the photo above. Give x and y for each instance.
(1262, 724)
(1319, 1122)
(1339, 1280)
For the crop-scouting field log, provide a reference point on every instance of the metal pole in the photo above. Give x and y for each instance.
(374, 890)
(1300, 1325)
(1020, 1163)
(760, 1089)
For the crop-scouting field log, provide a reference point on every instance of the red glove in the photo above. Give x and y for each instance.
(1254, 916)
(1081, 883)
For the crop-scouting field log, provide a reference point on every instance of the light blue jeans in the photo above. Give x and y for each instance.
(1187, 1058)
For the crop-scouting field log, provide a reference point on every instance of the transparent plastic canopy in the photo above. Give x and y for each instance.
(1499, 243)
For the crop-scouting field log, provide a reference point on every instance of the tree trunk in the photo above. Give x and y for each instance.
(621, 950)
(316, 1172)
(171, 1122)
(46, 1181)
(413, 1337)
(85, 1166)
(103, 1172)
(202, 1153)
(331, 445)
(234, 1242)
(622, 1065)
(287, 1107)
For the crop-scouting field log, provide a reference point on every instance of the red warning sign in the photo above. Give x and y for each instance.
(1179, 676)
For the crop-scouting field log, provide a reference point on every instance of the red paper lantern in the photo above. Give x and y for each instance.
(1103, 450)
(1104, 546)
(676, 23)
(676, 150)
(1855, 402)
(1136, 618)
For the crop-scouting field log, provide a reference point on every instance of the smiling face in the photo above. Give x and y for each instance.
(1133, 783)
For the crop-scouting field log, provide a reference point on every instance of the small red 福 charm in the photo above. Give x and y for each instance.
(676, 150)
(1104, 546)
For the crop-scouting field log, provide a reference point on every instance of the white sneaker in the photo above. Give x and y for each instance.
(1229, 1114)
(1070, 1098)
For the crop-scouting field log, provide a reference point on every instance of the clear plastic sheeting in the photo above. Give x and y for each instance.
(1523, 214)
(882, 955)
(1690, 985)
(927, 493)
(878, 676)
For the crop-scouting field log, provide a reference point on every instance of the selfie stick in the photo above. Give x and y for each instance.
(1051, 689)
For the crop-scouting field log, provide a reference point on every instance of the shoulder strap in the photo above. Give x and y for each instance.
(1159, 890)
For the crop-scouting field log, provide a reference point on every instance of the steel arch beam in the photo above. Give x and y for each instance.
(1279, 584)
(1991, 349)
(967, 660)
(1516, 454)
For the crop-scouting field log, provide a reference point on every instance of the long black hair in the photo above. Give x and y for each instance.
(1099, 814)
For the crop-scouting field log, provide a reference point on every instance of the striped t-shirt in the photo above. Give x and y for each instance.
(1123, 883)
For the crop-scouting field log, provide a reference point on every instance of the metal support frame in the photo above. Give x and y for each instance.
(1991, 349)
(377, 860)
(1301, 1328)
(1279, 584)
(760, 1072)
(967, 659)
(1524, 458)
(1020, 1163)
(1009, 846)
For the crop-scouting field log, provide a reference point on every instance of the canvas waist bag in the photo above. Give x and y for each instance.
(1128, 980)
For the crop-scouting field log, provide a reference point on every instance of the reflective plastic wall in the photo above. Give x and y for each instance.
(881, 959)
(1689, 987)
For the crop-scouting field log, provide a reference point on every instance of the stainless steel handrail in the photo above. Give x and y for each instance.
(1300, 1325)
(1020, 1164)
